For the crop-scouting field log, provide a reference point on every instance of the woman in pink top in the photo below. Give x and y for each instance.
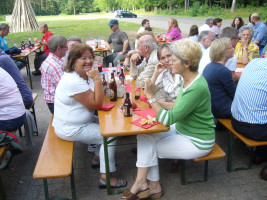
(174, 32)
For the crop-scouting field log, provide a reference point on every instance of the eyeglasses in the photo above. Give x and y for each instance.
(64, 47)
(166, 57)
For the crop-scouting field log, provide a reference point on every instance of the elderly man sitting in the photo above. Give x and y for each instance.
(147, 47)
(245, 49)
(52, 68)
(205, 39)
(71, 42)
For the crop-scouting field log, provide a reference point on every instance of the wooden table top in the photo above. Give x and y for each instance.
(113, 123)
(25, 53)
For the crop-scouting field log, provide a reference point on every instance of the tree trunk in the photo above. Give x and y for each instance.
(185, 5)
(233, 6)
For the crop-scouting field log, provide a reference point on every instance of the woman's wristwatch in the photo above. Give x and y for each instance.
(153, 100)
(245, 48)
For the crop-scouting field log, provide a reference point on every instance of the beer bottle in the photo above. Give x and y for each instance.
(122, 78)
(127, 106)
(22, 46)
(30, 43)
(104, 83)
(112, 92)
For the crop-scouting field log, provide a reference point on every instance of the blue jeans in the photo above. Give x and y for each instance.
(12, 124)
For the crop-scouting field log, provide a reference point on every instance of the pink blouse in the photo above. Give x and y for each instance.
(175, 34)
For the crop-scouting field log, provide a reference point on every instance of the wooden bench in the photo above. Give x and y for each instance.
(55, 160)
(248, 142)
(2, 189)
(215, 153)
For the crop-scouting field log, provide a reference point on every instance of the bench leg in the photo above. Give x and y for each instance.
(72, 185)
(183, 180)
(2, 189)
(230, 151)
(206, 170)
(34, 117)
(46, 189)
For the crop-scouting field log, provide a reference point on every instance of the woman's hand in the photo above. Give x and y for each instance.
(93, 74)
(159, 68)
(245, 42)
(150, 89)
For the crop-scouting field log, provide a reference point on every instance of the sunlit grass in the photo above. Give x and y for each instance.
(78, 25)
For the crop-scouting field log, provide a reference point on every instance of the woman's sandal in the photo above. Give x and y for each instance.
(155, 195)
(119, 184)
(97, 163)
(143, 194)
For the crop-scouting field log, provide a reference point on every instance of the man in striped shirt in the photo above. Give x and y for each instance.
(249, 108)
(52, 68)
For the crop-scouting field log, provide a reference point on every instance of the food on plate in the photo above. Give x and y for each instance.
(150, 120)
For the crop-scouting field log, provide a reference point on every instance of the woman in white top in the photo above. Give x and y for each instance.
(78, 94)
(12, 109)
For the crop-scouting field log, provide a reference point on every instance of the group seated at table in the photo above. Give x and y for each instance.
(219, 78)
(78, 94)
(191, 133)
(245, 49)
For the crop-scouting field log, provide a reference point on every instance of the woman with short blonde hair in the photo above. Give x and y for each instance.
(219, 78)
(191, 133)
(218, 47)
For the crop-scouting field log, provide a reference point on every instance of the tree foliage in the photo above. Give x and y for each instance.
(53, 7)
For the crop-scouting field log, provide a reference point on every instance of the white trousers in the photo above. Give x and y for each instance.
(90, 134)
(169, 144)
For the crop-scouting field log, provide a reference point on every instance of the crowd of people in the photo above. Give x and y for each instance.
(188, 83)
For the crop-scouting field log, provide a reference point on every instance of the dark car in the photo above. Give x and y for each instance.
(122, 14)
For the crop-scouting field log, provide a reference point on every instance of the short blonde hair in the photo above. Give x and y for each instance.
(188, 51)
(218, 47)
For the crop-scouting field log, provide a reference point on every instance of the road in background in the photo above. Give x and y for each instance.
(162, 22)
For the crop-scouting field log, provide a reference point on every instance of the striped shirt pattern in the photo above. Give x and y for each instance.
(52, 71)
(250, 101)
(171, 86)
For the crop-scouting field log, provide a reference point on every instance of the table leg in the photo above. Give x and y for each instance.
(28, 68)
(105, 143)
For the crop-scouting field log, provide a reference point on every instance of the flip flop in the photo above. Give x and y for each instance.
(120, 183)
(8, 157)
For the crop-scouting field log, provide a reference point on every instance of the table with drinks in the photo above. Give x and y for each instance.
(98, 47)
(26, 50)
(117, 121)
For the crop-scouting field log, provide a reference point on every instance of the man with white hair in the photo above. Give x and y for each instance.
(147, 47)
(205, 39)
(208, 24)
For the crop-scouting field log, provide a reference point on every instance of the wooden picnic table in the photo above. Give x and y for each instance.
(114, 124)
(25, 56)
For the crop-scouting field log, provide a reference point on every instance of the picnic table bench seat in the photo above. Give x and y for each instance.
(55, 160)
(215, 153)
(248, 142)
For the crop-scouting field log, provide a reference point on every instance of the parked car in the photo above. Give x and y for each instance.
(123, 13)
(117, 12)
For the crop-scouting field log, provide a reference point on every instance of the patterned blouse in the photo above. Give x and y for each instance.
(253, 51)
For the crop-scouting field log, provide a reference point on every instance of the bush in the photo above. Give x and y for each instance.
(195, 8)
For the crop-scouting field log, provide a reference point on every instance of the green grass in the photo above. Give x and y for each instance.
(71, 25)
